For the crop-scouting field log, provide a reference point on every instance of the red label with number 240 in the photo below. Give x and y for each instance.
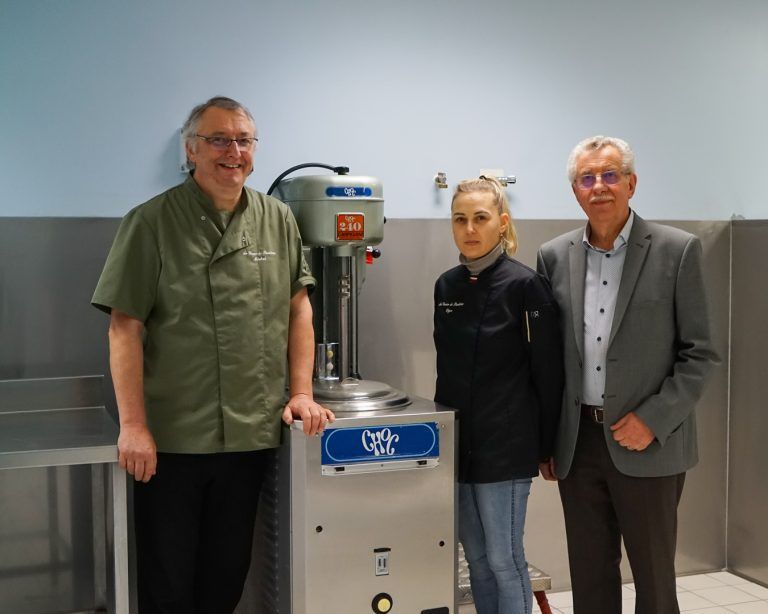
(350, 226)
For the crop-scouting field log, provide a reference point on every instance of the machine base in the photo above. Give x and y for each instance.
(379, 535)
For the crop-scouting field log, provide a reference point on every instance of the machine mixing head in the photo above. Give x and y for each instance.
(341, 218)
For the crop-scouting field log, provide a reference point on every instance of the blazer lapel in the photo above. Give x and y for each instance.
(577, 258)
(638, 246)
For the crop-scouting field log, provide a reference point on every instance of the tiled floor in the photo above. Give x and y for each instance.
(712, 593)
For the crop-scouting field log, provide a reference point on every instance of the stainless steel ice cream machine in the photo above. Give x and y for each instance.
(365, 514)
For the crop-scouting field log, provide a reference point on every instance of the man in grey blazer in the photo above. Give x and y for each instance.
(637, 352)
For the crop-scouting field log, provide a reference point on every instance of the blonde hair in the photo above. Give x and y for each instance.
(492, 186)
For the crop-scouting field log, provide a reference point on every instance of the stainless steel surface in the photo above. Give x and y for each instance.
(47, 438)
(354, 367)
(352, 395)
(347, 337)
(338, 216)
(748, 486)
(702, 511)
(356, 534)
(327, 362)
(318, 202)
(396, 313)
(55, 423)
(120, 597)
(320, 261)
(48, 270)
(334, 524)
(99, 494)
(50, 394)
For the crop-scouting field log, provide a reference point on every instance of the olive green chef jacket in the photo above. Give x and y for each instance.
(214, 298)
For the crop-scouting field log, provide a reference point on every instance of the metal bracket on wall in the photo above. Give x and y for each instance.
(498, 174)
(507, 179)
(441, 179)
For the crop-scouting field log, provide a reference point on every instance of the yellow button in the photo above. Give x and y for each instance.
(385, 605)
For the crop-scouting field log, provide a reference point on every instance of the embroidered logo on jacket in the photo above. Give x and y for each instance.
(259, 255)
(449, 307)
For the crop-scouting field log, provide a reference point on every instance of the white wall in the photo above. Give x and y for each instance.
(92, 93)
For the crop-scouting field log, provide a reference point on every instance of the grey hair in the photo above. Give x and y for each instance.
(493, 187)
(595, 143)
(189, 129)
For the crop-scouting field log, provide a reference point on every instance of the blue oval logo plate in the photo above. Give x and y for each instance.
(343, 446)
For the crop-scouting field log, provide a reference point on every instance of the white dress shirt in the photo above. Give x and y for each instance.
(601, 289)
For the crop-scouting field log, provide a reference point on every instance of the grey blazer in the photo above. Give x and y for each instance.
(659, 351)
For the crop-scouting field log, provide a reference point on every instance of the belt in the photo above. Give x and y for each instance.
(593, 412)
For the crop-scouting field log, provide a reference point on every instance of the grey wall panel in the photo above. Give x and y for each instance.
(48, 268)
(748, 496)
(48, 271)
(701, 542)
(396, 346)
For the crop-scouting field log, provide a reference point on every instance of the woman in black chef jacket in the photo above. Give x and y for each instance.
(499, 363)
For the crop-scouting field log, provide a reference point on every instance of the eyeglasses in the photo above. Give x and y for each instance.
(587, 182)
(223, 142)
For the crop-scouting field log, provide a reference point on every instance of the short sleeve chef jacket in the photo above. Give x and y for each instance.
(215, 304)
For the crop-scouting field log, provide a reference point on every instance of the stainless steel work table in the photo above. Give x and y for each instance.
(63, 421)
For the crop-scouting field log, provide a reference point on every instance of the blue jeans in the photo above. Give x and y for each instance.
(491, 521)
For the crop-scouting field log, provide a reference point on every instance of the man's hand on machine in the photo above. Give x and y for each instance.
(314, 417)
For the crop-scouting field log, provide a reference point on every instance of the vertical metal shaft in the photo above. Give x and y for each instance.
(353, 289)
(326, 277)
(344, 317)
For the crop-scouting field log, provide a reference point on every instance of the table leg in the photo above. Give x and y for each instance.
(541, 599)
(120, 539)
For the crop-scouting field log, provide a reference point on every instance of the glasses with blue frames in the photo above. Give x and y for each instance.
(588, 181)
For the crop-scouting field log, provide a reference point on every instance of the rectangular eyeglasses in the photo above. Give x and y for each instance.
(588, 181)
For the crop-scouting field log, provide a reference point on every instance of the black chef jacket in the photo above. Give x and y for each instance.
(500, 364)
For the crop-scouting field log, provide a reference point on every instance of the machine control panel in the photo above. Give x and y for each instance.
(382, 603)
(381, 556)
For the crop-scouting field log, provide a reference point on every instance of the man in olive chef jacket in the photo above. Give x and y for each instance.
(637, 354)
(206, 288)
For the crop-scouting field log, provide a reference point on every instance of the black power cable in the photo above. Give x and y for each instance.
(339, 170)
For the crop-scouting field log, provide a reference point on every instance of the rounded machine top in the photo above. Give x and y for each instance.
(330, 187)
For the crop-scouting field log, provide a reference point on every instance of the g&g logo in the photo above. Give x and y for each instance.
(381, 443)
